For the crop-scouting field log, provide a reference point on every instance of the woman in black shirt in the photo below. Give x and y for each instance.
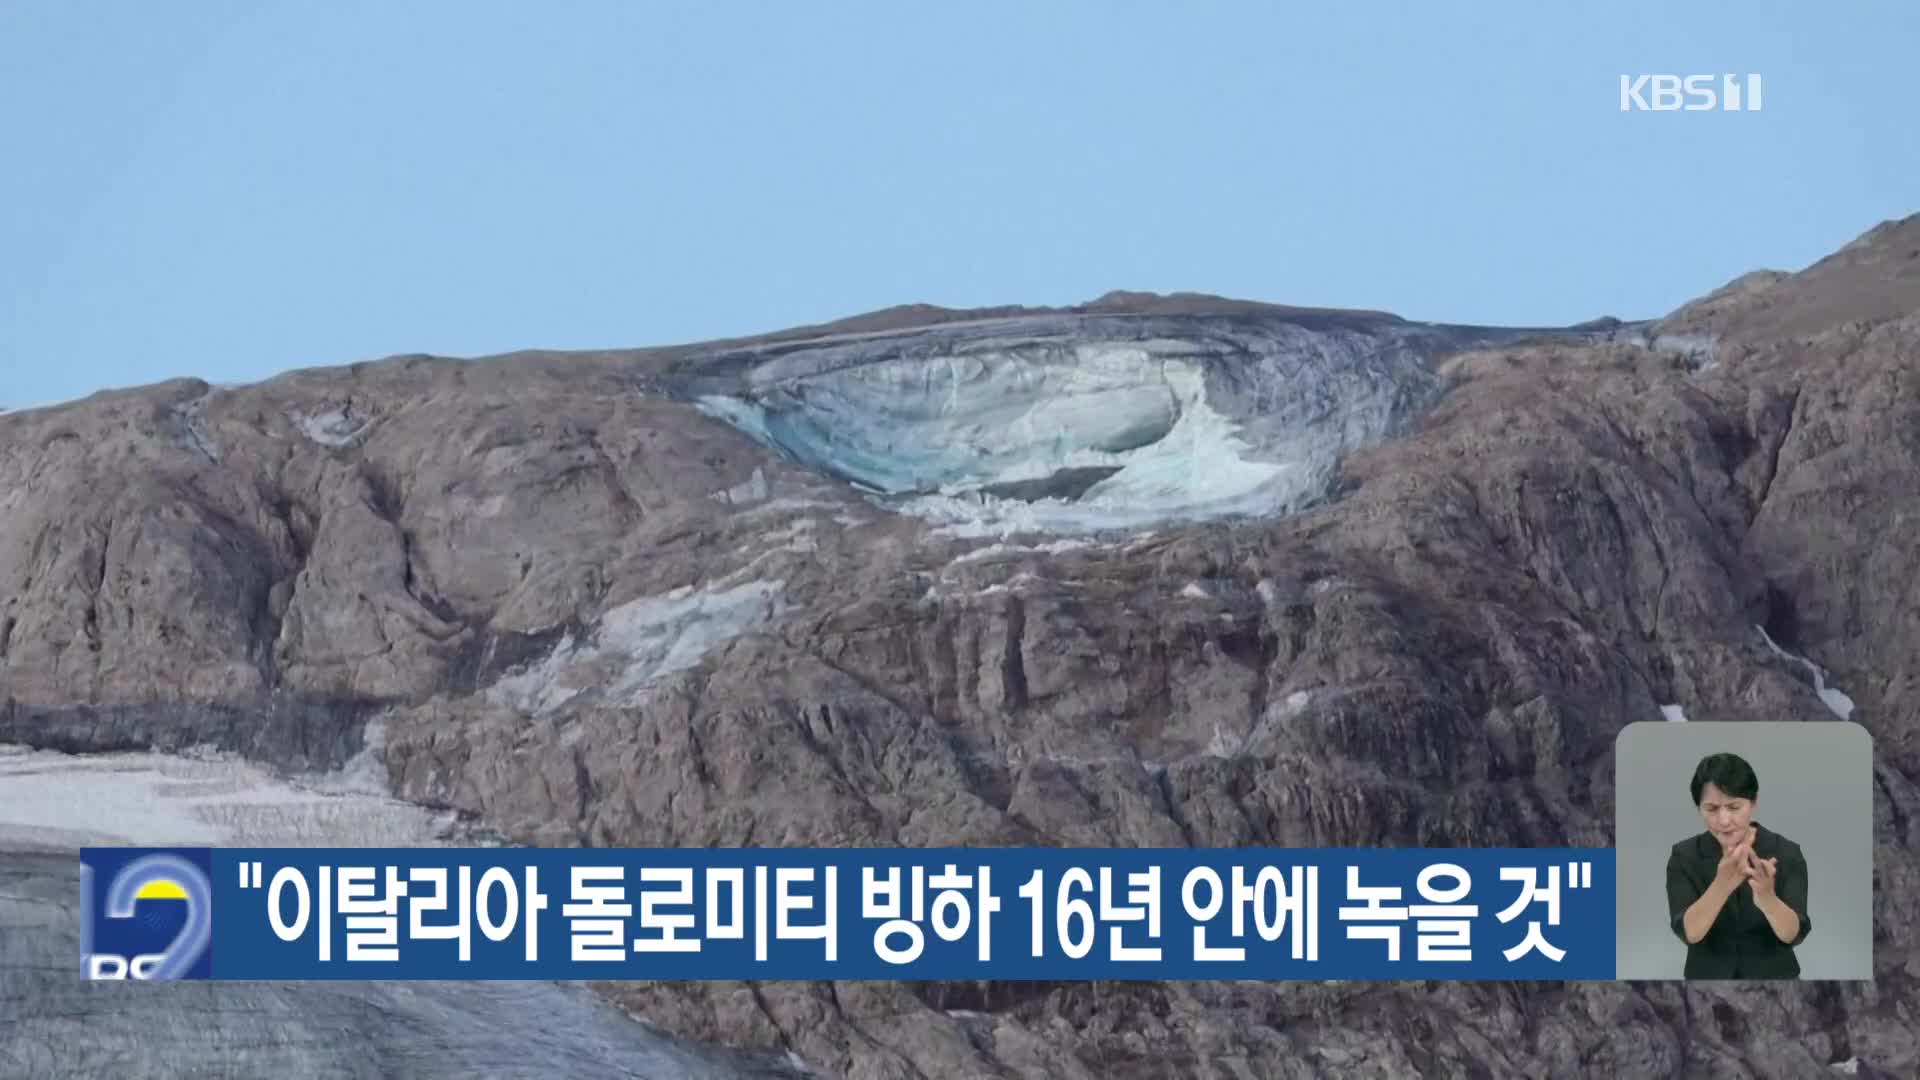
(1737, 892)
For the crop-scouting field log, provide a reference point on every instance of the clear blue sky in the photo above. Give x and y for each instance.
(230, 190)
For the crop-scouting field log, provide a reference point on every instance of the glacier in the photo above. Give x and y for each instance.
(1082, 423)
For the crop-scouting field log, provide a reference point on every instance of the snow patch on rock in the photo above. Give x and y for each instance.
(637, 644)
(1839, 704)
(1673, 713)
(796, 539)
(751, 490)
(994, 551)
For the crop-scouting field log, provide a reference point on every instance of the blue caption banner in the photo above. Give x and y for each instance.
(862, 913)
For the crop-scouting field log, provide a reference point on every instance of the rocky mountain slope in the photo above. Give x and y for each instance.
(1153, 571)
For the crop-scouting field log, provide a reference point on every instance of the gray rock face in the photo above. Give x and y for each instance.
(586, 612)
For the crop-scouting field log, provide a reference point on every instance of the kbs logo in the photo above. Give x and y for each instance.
(1689, 93)
(145, 914)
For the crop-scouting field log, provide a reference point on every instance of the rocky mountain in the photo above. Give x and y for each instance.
(1149, 571)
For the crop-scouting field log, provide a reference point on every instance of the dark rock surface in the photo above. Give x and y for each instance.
(587, 613)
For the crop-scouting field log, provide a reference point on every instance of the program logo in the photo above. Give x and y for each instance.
(145, 913)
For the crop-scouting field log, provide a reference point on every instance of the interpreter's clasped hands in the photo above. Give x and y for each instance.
(1740, 864)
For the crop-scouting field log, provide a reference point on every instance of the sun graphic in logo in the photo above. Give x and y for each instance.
(161, 889)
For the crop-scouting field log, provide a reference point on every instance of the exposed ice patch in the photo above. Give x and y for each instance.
(637, 643)
(1836, 702)
(750, 490)
(1673, 713)
(786, 506)
(1194, 591)
(1298, 700)
(335, 427)
(993, 551)
(1850, 1067)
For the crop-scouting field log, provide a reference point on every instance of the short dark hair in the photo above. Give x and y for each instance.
(1728, 772)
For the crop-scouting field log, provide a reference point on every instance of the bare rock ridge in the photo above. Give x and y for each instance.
(1870, 280)
(1150, 571)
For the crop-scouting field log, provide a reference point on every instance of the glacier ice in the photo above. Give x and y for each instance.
(1082, 424)
(943, 437)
